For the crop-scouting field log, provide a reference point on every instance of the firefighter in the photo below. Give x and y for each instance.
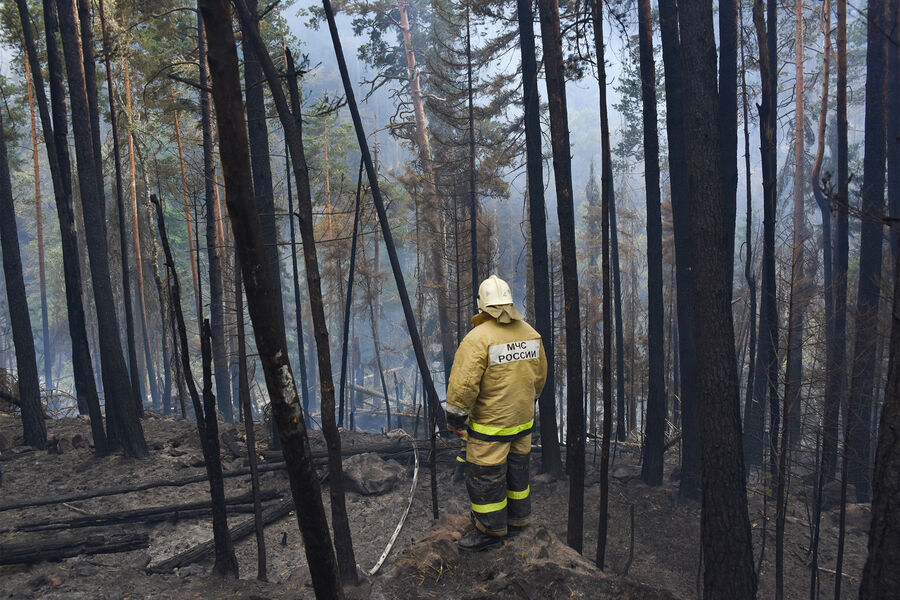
(498, 373)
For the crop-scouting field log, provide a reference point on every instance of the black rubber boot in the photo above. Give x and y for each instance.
(476, 542)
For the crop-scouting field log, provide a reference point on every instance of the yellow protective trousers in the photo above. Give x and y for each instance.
(497, 481)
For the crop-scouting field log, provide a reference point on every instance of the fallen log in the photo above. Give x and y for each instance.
(37, 549)
(154, 514)
(238, 532)
(126, 489)
(274, 462)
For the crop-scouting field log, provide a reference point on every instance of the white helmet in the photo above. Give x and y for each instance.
(493, 291)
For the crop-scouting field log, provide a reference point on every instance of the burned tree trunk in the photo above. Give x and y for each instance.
(862, 382)
(35, 431)
(550, 453)
(56, 142)
(766, 375)
(214, 243)
(298, 312)
(262, 297)
(655, 431)
(116, 382)
(120, 205)
(258, 132)
(606, 196)
(881, 578)
(689, 486)
(244, 394)
(725, 524)
(205, 413)
(562, 168)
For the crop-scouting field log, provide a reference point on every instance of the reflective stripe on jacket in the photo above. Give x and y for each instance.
(498, 371)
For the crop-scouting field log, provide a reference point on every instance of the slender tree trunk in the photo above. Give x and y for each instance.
(652, 467)
(136, 233)
(797, 323)
(298, 312)
(35, 431)
(262, 297)
(837, 378)
(187, 209)
(550, 454)
(214, 243)
(689, 486)
(784, 444)
(725, 525)
(606, 196)
(473, 200)
(39, 225)
(749, 274)
(205, 413)
(56, 143)
(562, 168)
(862, 382)
(244, 393)
(766, 373)
(348, 304)
(136, 379)
(116, 383)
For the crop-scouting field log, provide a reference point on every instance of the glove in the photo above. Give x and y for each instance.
(456, 422)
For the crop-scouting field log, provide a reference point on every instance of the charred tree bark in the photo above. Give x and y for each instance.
(881, 578)
(550, 453)
(35, 431)
(226, 564)
(766, 374)
(116, 384)
(725, 524)
(689, 486)
(862, 382)
(214, 243)
(562, 168)
(56, 143)
(258, 132)
(606, 198)
(262, 297)
(473, 199)
(654, 439)
(136, 381)
(837, 379)
(244, 393)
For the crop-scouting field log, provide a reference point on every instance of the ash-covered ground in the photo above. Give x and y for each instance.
(424, 562)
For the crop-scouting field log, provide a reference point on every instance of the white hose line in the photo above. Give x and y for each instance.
(412, 493)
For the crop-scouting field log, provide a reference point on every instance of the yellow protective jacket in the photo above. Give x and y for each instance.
(498, 372)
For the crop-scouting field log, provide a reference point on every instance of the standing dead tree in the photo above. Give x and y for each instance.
(226, 563)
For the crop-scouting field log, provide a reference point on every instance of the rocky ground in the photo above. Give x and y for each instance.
(424, 563)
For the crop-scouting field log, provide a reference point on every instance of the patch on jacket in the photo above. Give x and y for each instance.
(513, 351)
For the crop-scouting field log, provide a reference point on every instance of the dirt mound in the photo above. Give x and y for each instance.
(535, 564)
